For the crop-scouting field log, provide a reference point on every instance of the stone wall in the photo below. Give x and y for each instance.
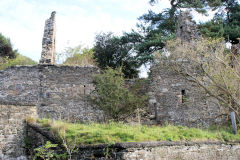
(64, 93)
(58, 92)
(12, 130)
(177, 101)
(19, 85)
(161, 150)
(143, 150)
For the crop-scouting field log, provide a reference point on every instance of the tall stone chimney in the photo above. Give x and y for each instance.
(48, 55)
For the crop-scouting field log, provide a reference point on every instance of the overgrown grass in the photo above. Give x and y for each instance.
(94, 133)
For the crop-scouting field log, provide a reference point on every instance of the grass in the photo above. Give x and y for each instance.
(95, 133)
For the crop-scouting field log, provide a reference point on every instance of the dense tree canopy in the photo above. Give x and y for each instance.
(6, 49)
(154, 29)
(112, 51)
(225, 24)
(232, 24)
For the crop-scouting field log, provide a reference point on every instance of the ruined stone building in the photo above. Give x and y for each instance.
(44, 90)
(175, 99)
(187, 28)
(60, 92)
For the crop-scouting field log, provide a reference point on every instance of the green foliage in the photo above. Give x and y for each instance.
(113, 98)
(112, 51)
(48, 152)
(6, 48)
(19, 60)
(10, 57)
(95, 133)
(226, 24)
(213, 28)
(154, 29)
(78, 56)
(232, 24)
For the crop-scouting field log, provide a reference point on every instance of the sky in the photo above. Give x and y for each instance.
(77, 21)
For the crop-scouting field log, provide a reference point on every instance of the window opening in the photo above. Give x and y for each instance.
(183, 95)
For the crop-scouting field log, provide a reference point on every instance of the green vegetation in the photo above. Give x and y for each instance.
(136, 48)
(47, 152)
(113, 97)
(77, 56)
(113, 51)
(227, 26)
(9, 56)
(6, 48)
(94, 133)
(216, 72)
(19, 60)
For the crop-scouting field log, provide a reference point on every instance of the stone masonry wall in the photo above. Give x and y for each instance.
(143, 150)
(19, 85)
(180, 102)
(12, 130)
(64, 92)
(161, 151)
(58, 92)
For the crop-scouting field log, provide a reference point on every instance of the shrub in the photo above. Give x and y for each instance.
(6, 48)
(77, 56)
(113, 98)
(19, 60)
(48, 151)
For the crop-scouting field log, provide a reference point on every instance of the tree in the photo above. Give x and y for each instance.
(154, 29)
(232, 24)
(6, 48)
(112, 51)
(225, 24)
(207, 63)
(19, 60)
(113, 98)
(9, 56)
(78, 56)
(213, 28)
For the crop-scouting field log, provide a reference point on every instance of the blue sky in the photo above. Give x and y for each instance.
(77, 20)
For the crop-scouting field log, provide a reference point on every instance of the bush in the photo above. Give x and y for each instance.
(113, 98)
(19, 60)
(6, 49)
(77, 56)
(48, 151)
